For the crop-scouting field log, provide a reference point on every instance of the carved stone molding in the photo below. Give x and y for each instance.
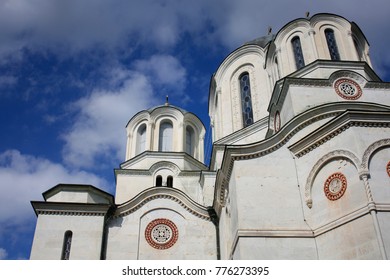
(371, 149)
(320, 163)
(69, 213)
(162, 193)
(166, 165)
(339, 130)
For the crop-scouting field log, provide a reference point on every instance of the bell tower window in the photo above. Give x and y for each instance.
(190, 141)
(298, 54)
(332, 45)
(165, 137)
(170, 182)
(141, 139)
(159, 181)
(246, 99)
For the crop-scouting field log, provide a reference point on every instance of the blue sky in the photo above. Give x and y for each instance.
(72, 73)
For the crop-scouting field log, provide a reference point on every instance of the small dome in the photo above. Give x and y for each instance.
(165, 128)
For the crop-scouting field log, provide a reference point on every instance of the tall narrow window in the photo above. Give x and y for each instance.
(141, 139)
(170, 182)
(332, 45)
(246, 100)
(190, 141)
(66, 245)
(298, 54)
(165, 137)
(158, 181)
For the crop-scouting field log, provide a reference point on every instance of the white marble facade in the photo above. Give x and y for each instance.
(300, 166)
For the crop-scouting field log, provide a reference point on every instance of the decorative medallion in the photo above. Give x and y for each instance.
(277, 121)
(388, 168)
(348, 89)
(335, 186)
(161, 234)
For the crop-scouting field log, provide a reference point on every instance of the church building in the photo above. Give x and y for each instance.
(299, 169)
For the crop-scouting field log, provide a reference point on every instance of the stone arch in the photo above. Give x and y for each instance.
(370, 151)
(165, 165)
(320, 163)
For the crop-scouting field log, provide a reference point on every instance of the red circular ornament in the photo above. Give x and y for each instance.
(335, 186)
(161, 234)
(388, 168)
(348, 89)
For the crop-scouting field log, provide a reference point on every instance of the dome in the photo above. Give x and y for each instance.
(165, 128)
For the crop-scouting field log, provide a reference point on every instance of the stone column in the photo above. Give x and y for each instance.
(372, 208)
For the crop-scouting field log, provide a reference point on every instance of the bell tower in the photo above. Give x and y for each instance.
(163, 143)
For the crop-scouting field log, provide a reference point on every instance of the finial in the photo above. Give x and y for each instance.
(166, 100)
(269, 30)
(307, 14)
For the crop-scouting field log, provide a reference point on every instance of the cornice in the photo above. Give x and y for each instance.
(165, 156)
(338, 125)
(70, 209)
(172, 194)
(244, 132)
(299, 122)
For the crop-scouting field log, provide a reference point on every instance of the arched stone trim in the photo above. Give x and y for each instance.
(320, 163)
(162, 193)
(165, 165)
(347, 74)
(370, 151)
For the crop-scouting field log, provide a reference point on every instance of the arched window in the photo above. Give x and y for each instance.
(66, 245)
(141, 139)
(298, 54)
(332, 45)
(170, 182)
(158, 181)
(165, 137)
(246, 100)
(190, 141)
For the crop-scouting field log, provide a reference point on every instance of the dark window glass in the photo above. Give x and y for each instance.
(170, 182)
(332, 45)
(158, 181)
(298, 54)
(246, 100)
(66, 246)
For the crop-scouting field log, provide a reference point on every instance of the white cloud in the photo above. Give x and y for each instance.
(72, 26)
(24, 178)
(3, 254)
(99, 128)
(164, 70)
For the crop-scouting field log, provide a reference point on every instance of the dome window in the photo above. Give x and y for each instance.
(165, 137)
(332, 45)
(141, 139)
(246, 99)
(298, 54)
